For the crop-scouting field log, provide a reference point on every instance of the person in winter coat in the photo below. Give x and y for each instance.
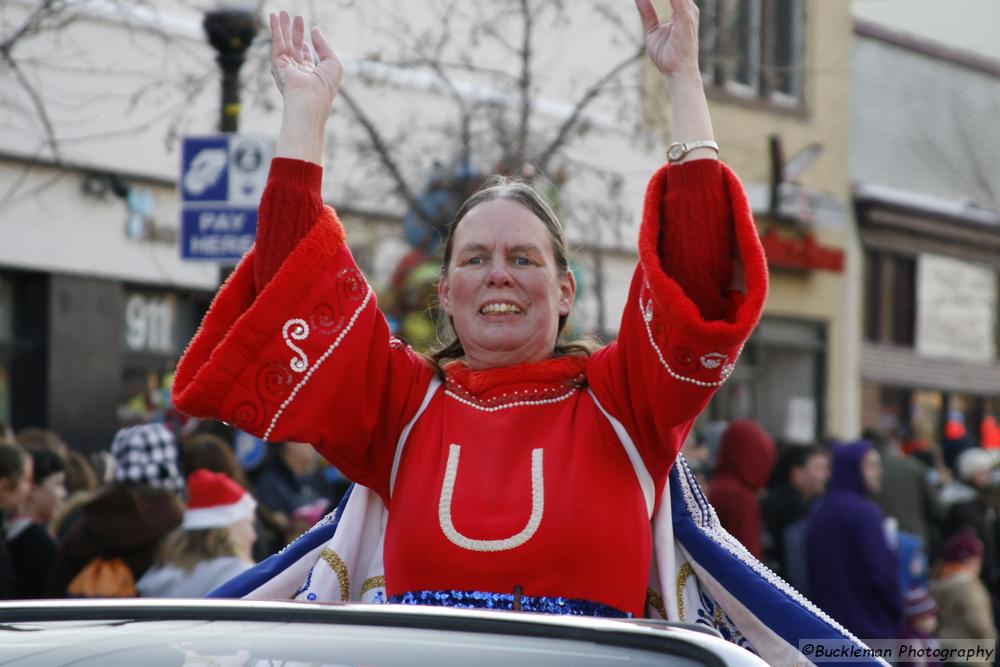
(127, 521)
(966, 611)
(853, 572)
(213, 544)
(15, 484)
(32, 546)
(746, 458)
(802, 472)
(907, 493)
(975, 505)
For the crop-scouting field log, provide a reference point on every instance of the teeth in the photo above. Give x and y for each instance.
(499, 308)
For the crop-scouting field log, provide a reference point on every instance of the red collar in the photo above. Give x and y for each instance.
(562, 371)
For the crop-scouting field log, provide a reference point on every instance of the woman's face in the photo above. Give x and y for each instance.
(14, 490)
(871, 471)
(244, 535)
(46, 497)
(503, 290)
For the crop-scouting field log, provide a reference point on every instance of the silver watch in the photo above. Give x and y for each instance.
(677, 150)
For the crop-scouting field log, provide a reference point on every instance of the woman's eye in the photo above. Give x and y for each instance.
(523, 261)
(474, 260)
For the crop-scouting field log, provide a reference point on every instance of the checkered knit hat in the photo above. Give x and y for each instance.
(147, 454)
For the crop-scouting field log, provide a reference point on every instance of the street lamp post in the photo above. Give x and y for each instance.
(230, 31)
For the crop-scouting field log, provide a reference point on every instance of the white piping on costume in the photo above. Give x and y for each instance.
(515, 404)
(645, 479)
(333, 346)
(727, 369)
(448, 488)
(431, 389)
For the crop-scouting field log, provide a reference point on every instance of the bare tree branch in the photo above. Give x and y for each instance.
(385, 156)
(589, 96)
(38, 103)
(524, 86)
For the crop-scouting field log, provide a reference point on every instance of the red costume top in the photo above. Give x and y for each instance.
(540, 476)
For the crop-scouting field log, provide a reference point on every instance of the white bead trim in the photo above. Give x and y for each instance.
(333, 346)
(515, 404)
(707, 521)
(727, 369)
(448, 489)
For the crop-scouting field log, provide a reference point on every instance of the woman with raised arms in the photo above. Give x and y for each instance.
(518, 470)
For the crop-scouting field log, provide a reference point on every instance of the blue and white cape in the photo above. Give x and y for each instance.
(699, 574)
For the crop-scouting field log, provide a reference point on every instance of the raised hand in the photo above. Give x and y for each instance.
(300, 78)
(673, 46)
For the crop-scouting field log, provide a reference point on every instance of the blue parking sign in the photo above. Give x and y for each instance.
(222, 178)
(204, 169)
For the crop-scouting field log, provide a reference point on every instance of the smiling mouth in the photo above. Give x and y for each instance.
(500, 309)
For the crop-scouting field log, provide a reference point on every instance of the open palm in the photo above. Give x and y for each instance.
(297, 74)
(672, 46)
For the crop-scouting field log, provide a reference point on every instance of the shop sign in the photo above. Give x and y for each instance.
(801, 252)
(150, 323)
(956, 309)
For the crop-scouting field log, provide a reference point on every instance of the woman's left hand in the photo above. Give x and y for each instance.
(673, 46)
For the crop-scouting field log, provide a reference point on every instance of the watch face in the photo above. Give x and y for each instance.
(675, 152)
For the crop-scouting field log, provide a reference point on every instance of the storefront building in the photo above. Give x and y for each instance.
(930, 350)
(925, 161)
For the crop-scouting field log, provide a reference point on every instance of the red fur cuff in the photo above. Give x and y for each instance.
(702, 253)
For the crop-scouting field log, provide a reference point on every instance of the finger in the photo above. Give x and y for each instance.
(275, 34)
(323, 49)
(650, 21)
(682, 8)
(277, 44)
(298, 41)
(285, 23)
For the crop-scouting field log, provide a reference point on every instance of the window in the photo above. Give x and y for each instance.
(753, 48)
(890, 298)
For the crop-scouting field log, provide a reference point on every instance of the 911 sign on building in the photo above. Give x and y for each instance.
(222, 178)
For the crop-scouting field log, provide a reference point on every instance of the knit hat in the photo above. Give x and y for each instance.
(919, 602)
(215, 501)
(962, 546)
(972, 461)
(147, 454)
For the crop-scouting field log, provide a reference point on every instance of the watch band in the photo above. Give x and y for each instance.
(677, 150)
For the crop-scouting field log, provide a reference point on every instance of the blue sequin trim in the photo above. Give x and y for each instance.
(480, 600)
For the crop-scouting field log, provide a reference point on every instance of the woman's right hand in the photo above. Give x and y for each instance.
(302, 80)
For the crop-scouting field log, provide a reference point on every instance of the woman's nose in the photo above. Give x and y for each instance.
(499, 275)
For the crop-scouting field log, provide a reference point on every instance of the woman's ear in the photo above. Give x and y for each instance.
(567, 293)
(443, 295)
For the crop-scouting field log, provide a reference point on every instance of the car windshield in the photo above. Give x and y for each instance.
(251, 643)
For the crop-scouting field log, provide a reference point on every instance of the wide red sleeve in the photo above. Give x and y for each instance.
(682, 329)
(309, 359)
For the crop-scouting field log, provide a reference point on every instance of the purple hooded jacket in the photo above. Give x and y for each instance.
(853, 573)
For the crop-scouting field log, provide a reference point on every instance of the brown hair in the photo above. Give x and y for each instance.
(211, 452)
(13, 460)
(496, 188)
(186, 548)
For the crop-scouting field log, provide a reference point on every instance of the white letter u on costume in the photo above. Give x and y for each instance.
(448, 488)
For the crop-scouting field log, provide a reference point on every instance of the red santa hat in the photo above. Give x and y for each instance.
(215, 501)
